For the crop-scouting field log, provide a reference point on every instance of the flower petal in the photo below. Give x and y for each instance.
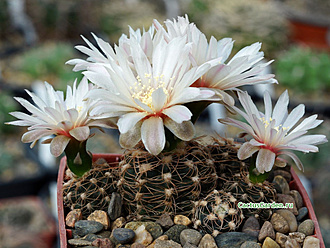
(308, 123)
(294, 116)
(268, 105)
(153, 135)
(280, 110)
(265, 160)
(80, 133)
(239, 124)
(294, 157)
(58, 145)
(178, 113)
(247, 150)
(158, 99)
(184, 131)
(132, 137)
(128, 121)
(314, 139)
(35, 135)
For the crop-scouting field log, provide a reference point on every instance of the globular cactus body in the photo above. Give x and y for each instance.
(245, 191)
(224, 154)
(167, 183)
(217, 213)
(93, 190)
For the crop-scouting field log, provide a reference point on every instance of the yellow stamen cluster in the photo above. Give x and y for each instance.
(143, 92)
(277, 128)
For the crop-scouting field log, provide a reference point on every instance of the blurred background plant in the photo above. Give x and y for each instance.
(303, 71)
(245, 21)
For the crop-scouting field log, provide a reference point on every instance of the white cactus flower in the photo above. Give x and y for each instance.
(244, 68)
(53, 115)
(150, 95)
(104, 53)
(275, 131)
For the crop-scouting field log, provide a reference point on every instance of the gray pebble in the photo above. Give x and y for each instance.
(251, 226)
(297, 198)
(190, 236)
(281, 184)
(115, 206)
(188, 245)
(302, 213)
(123, 235)
(250, 244)
(233, 239)
(306, 227)
(84, 227)
(174, 232)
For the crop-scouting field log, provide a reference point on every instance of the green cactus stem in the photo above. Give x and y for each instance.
(254, 175)
(79, 160)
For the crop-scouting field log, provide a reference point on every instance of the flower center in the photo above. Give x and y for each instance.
(143, 92)
(267, 122)
(79, 108)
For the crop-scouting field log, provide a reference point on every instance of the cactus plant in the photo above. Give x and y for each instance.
(92, 191)
(245, 191)
(217, 212)
(224, 154)
(170, 182)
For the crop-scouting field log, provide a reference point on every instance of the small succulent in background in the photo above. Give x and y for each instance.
(302, 70)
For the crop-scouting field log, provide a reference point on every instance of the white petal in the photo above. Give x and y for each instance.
(294, 116)
(184, 131)
(300, 147)
(295, 159)
(178, 113)
(268, 105)
(307, 124)
(158, 99)
(255, 143)
(311, 140)
(153, 135)
(186, 95)
(246, 151)
(35, 135)
(281, 108)
(128, 121)
(265, 160)
(106, 123)
(132, 137)
(248, 104)
(80, 133)
(58, 145)
(239, 124)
